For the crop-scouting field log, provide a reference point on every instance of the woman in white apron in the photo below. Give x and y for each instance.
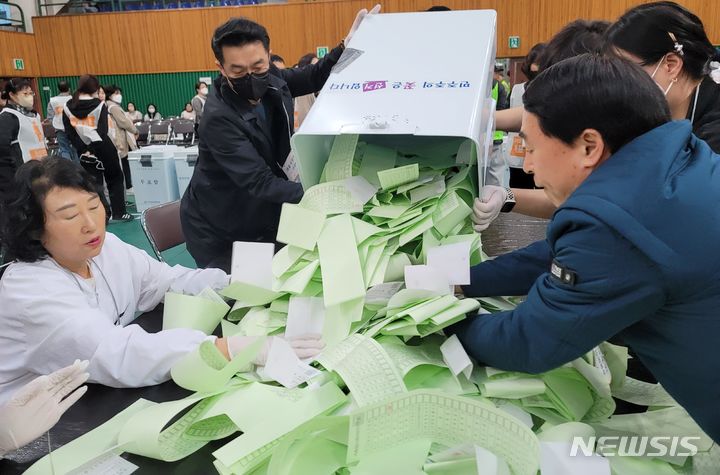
(21, 134)
(76, 290)
(87, 125)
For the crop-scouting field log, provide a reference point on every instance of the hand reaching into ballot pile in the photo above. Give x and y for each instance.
(37, 407)
(305, 346)
(487, 207)
(358, 19)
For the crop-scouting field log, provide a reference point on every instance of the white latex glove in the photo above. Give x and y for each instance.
(487, 207)
(305, 346)
(37, 406)
(358, 19)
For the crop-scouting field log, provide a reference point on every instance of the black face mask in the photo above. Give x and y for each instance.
(251, 86)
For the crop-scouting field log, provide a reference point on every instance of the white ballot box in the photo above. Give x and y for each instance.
(408, 80)
(154, 178)
(185, 160)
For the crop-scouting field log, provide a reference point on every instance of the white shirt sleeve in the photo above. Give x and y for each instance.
(155, 278)
(50, 324)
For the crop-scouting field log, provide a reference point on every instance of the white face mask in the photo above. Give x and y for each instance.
(204, 91)
(26, 101)
(117, 98)
(652, 76)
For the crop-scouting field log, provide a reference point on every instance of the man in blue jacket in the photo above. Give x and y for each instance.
(632, 249)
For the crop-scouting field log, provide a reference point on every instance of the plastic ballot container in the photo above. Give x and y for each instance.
(408, 80)
(154, 178)
(185, 160)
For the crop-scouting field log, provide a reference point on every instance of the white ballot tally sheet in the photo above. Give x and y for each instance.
(252, 263)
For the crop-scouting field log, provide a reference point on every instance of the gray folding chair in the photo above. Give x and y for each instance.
(184, 127)
(159, 132)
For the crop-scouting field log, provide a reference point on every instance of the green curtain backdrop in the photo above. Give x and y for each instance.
(168, 91)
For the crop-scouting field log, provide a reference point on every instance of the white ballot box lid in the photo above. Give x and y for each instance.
(406, 78)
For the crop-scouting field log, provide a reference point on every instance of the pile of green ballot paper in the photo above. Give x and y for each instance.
(366, 265)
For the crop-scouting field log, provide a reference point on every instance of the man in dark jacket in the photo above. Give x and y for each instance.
(239, 186)
(631, 249)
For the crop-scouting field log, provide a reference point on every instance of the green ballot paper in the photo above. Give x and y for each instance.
(447, 420)
(88, 447)
(207, 370)
(187, 311)
(145, 433)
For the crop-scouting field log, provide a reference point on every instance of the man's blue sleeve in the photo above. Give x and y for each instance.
(510, 274)
(615, 286)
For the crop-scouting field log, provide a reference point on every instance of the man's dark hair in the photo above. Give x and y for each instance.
(238, 32)
(575, 38)
(111, 89)
(439, 8)
(199, 84)
(63, 86)
(276, 57)
(608, 94)
(644, 31)
(23, 220)
(532, 57)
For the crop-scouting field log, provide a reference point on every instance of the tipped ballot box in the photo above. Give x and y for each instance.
(408, 80)
(185, 161)
(154, 178)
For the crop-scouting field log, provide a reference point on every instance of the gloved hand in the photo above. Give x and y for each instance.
(358, 19)
(487, 207)
(305, 346)
(37, 406)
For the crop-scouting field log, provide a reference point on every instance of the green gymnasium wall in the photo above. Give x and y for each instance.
(169, 92)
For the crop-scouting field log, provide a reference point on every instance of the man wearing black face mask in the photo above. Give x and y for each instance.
(238, 186)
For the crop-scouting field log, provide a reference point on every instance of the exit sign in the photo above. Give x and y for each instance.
(322, 51)
(514, 42)
(18, 64)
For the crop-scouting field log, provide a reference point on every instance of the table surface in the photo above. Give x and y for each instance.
(510, 231)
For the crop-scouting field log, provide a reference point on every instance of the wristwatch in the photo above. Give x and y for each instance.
(509, 202)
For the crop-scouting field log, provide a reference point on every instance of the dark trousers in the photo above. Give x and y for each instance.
(109, 170)
(126, 172)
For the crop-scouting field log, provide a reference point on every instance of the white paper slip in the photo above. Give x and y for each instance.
(426, 278)
(252, 263)
(599, 362)
(107, 464)
(453, 260)
(555, 459)
(455, 357)
(291, 169)
(490, 464)
(360, 189)
(306, 315)
(435, 188)
(382, 293)
(285, 367)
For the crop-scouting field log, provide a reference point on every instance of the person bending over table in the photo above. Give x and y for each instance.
(627, 250)
(670, 44)
(76, 289)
